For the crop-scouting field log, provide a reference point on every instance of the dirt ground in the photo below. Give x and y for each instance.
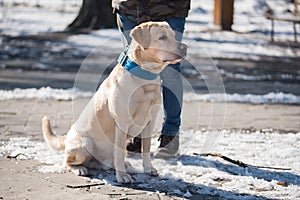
(22, 180)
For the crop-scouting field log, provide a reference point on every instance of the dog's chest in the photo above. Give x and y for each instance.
(131, 101)
(149, 93)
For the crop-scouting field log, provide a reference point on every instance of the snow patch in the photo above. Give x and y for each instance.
(25, 149)
(44, 93)
(272, 97)
(73, 93)
(190, 175)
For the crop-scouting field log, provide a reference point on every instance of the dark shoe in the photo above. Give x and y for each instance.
(134, 145)
(169, 146)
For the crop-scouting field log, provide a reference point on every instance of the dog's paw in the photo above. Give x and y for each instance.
(80, 171)
(151, 171)
(123, 177)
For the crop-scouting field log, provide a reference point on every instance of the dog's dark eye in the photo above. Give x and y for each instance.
(162, 37)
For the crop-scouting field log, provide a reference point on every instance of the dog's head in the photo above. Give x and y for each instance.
(156, 46)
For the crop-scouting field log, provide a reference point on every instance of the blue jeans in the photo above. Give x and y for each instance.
(170, 77)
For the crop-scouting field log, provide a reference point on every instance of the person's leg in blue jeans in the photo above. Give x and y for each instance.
(171, 89)
(172, 100)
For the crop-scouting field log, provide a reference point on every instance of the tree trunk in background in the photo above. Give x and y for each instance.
(93, 15)
(223, 13)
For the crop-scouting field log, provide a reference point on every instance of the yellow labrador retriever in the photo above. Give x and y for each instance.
(122, 107)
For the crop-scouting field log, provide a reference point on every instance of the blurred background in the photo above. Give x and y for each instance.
(43, 43)
(47, 48)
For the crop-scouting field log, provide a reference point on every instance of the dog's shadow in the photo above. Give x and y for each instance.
(180, 188)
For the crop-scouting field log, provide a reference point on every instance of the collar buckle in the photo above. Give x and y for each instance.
(122, 58)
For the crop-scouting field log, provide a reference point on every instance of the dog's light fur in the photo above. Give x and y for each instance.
(123, 106)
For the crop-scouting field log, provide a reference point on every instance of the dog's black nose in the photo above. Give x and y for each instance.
(183, 46)
(183, 49)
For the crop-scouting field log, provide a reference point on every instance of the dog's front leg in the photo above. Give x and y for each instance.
(146, 142)
(119, 157)
(148, 168)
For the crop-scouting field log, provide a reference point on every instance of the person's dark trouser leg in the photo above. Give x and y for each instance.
(172, 100)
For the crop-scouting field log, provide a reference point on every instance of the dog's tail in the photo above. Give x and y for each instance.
(56, 142)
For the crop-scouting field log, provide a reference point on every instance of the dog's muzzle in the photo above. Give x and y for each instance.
(182, 50)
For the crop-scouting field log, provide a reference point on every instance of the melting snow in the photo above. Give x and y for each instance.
(69, 94)
(190, 175)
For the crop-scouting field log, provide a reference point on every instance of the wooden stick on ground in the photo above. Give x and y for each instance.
(16, 156)
(237, 162)
(84, 186)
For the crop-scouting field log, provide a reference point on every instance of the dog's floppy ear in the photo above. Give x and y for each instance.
(141, 34)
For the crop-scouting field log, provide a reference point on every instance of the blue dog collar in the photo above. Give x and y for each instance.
(134, 68)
